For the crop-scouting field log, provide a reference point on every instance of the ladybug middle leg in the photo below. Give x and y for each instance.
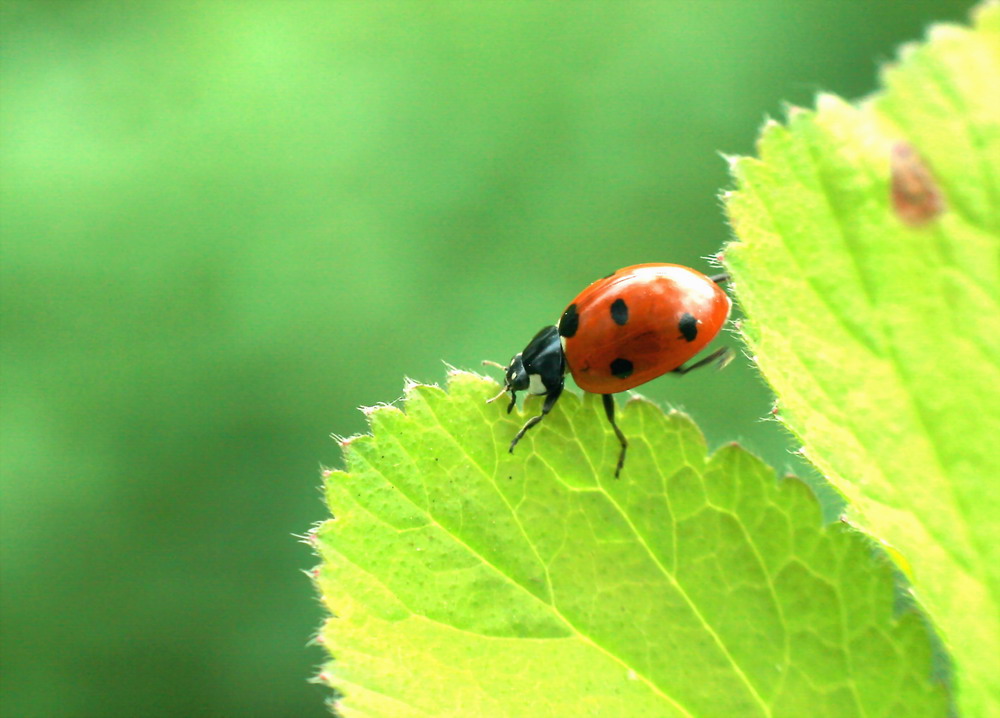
(609, 409)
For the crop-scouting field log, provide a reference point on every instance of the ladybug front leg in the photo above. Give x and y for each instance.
(550, 400)
(609, 409)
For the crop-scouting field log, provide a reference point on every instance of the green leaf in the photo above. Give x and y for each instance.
(880, 338)
(466, 581)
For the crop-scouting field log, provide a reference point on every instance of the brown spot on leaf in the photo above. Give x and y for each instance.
(916, 197)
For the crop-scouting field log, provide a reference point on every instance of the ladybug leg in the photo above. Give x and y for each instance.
(722, 356)
(720, 278)
(550, 400)
(609, 409)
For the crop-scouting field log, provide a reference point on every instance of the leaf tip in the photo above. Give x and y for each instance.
(829, 102)
(731, 160)
(985, 13)
(345, 441)
(715, 260)
(944, 32)
(793, 112)
(309, 538)
(323, 678)
(768, 128)
(903, 53)
(769, 123)
(634, 398)
(731, 450)
(368, 411)
(410, 385)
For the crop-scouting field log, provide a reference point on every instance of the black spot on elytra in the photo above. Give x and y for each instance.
(570, 322)
(621, 368)
(619, 312)
(689, 327)
(609, 276)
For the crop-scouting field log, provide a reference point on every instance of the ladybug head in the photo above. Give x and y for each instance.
(539, 369)
(515, 375)
(515, 379)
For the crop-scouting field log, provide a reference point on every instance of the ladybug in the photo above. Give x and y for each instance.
(623, 330)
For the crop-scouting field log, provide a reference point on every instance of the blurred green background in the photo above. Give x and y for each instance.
(226, 225)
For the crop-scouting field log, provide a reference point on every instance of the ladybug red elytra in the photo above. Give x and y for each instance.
(623, 330)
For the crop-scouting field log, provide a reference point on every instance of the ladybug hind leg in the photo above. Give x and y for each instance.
(609, 409)
(723, 356)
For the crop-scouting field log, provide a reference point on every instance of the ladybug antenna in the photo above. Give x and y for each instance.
(501, 367)
(502, 392)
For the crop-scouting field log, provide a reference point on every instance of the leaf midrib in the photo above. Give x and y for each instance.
(672, 580)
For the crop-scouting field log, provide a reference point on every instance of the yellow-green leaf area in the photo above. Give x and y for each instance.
(881, 337)
(465, 581)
